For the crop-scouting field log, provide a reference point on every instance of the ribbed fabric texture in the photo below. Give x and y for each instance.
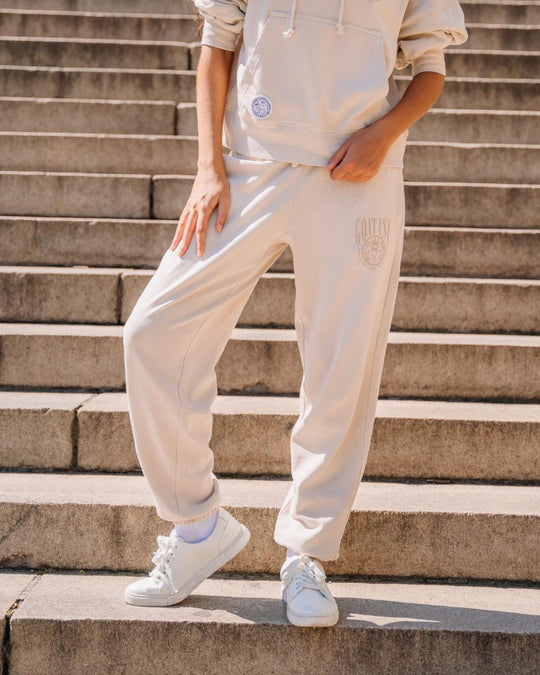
(198, 530)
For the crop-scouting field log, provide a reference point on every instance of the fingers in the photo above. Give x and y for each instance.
(336, 158)
(222, 210)
(191, 222)
(179, 229)
(201, 227)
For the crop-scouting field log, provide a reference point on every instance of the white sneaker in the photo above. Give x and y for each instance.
(181, 566)
(306, 593)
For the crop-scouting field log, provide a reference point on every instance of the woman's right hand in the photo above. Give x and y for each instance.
(210, 189)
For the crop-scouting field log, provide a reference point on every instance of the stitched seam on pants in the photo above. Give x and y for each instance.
(377, 345)
(294, 487)
(204, 320)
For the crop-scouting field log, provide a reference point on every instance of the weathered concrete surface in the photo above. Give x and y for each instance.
(12, 585)
(267, 361)
(428, 250)
(411, 439)
(75, 194)
(37, 429)
(414, 629)
(395, 529)
(83, 116)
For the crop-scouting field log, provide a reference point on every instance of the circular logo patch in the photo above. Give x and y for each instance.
(261, 106)
(373, 250)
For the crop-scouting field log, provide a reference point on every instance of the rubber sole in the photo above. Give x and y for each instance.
(309, 620)
(313, 620)
(212, 566)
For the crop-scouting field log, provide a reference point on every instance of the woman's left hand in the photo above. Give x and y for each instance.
(360, 156)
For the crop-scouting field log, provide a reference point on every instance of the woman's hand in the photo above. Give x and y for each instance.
(360, 156)
(210, 189)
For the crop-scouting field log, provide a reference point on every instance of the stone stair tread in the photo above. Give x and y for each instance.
(65, 270)
(413, 605)
(413, 438)
(413, 628)
(283, 405)
(279, 334)
(389, 497)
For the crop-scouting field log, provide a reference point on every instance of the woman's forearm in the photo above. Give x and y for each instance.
(213, 74)
(422, 92)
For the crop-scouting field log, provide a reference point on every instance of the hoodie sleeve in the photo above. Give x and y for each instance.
(428, 27)
(223, 21)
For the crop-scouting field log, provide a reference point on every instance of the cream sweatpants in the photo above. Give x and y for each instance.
(346, 239)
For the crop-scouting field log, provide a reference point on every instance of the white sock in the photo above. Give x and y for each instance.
(197, 530)
(291, 553)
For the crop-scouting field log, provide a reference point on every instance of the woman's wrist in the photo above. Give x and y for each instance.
(390, 126)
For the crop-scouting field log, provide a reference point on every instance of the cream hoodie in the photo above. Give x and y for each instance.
(309, 73)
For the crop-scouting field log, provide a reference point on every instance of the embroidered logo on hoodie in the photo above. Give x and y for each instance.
(261, 106)
(372, 235)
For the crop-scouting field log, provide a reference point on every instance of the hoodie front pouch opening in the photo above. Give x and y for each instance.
(316, 78)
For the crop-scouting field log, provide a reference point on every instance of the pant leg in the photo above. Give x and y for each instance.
(179, 328)
(347, 241)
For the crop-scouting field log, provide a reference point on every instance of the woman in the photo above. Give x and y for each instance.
(314, 131)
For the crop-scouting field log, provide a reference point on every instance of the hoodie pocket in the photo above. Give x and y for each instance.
(317, 78)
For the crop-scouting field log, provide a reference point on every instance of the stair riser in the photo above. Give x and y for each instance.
(114, 537)
(66, 54)
(152, 28)
(123, 243)
(93, 117)
(474, 12)
(412, 369)
(178, 155)
(87, 53)
(155, 28)
(180, 86)
(98, 437)
(109, 297)
(101, 644)
(122, 196)
(90, 117)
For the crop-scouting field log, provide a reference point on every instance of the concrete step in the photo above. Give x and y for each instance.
(406, 527)
(484, 93)
(91, 53)
(476, 126)
(442, 440)
(417, 365)
(37, 23)
(160, 154)
(506, 12)
(435, 251)
(412, 628)
(98, 195)
(427, 203)
(18, 113)
(503, 62)
(496, 36)
(108, 295)
(102, 53)
(116, 6)
(106, 83)
(76, 194)
(98, 25)
(94, 117)
(179, 85)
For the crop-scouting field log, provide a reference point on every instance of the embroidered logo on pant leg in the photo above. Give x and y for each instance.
(372, 235)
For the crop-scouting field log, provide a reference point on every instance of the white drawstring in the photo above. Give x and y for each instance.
(290, 30)
(339, 25)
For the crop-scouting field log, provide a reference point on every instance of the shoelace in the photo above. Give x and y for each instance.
(340, 29)
(306, 575)
(161, 557)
